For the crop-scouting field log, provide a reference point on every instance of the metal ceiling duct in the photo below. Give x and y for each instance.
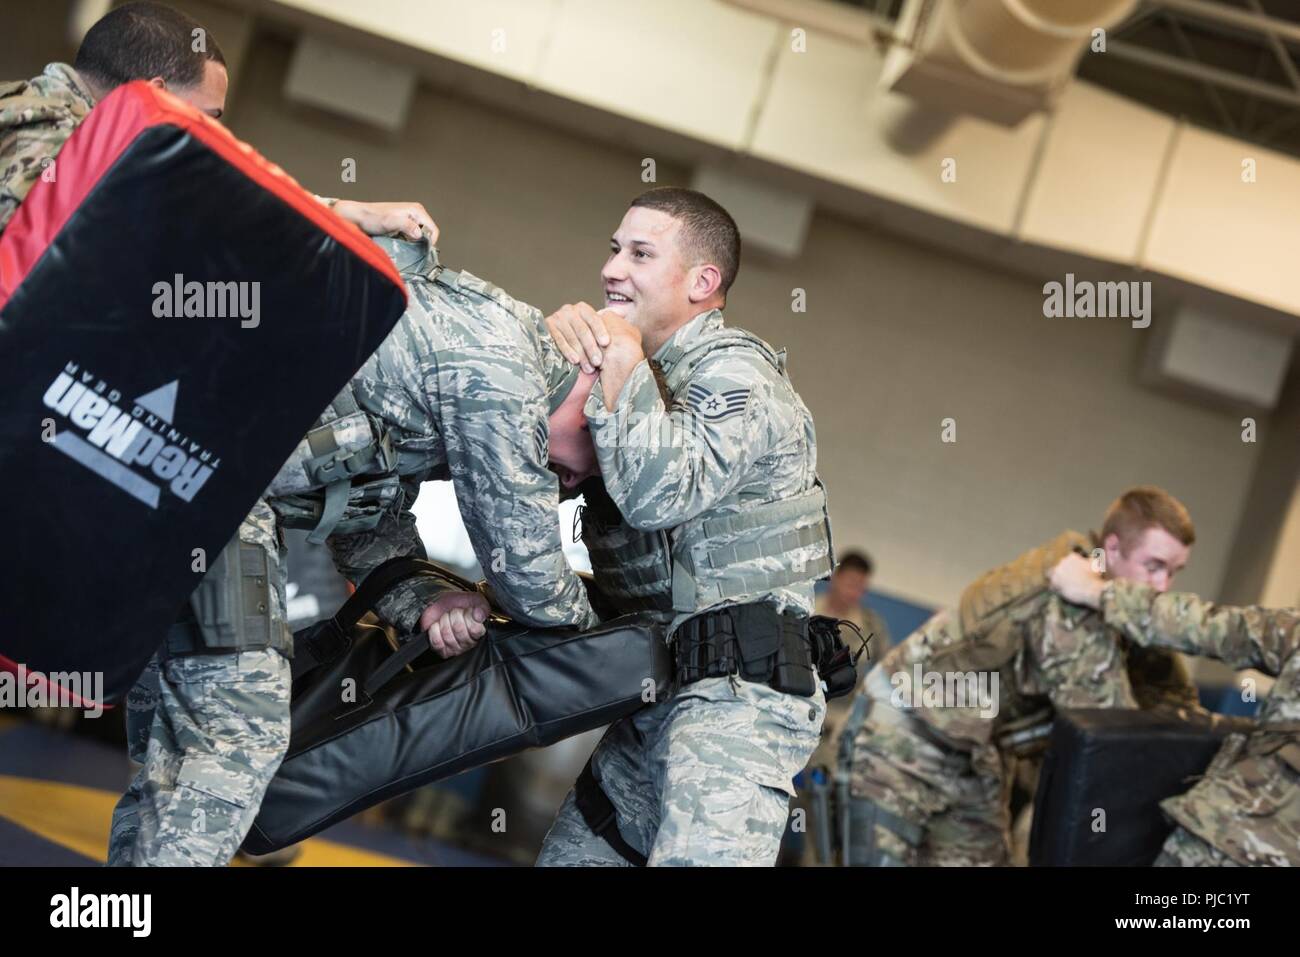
(997, 59)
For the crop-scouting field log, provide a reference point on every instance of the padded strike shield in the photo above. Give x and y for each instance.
(1106, 772)
(371, 721)
(175, 312)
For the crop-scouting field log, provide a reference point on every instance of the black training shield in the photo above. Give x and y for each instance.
(175, 312)
(371, 722)
(1106, 772)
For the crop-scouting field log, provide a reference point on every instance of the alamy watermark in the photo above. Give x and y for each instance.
(58, 689)
(649, 431)
(945, 689)
(1106, 300)
(132, 912)
(179, 299)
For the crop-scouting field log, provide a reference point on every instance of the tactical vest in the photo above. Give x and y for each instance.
(350, 454)
(682, 569)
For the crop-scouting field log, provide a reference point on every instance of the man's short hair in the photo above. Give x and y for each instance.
(139, 41)
(1143, 507)
(708, 234)
(855, 561)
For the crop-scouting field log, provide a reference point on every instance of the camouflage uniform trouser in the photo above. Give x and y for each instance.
(1184, 849)
(210, 730)
(915, 802)
(704, 777)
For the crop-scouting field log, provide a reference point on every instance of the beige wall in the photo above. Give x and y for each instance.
(1050, 421)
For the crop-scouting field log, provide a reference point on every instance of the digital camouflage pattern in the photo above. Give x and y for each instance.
(36, 118)
(947, 771)
(460, 386)
(705, 776)
(1247, 806)
(734, 438)
(211, 731)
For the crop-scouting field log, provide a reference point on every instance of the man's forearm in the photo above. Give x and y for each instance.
(617, 369)
(1242, 637)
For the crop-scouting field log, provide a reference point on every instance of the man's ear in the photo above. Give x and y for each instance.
(158, 82)
(1111, 544)
(706, 281)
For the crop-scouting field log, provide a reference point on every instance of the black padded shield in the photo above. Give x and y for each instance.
(133, 442)
(1122, 762)
(519, 688)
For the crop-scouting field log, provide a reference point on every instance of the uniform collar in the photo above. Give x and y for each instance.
(700, 326)
(418, 257)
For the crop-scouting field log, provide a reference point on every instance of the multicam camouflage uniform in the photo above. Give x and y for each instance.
(719, 504)
(459, 390)
(1246, 809)
(36, 118)
(931, 785)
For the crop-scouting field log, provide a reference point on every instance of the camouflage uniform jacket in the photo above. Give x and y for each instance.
(1248, 803)
(458, 391)
(36, 117)
(1047, 653)
(717, 487)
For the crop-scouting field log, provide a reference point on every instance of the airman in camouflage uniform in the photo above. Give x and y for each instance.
(1246, 809)
(704, 777)
(208, 727)
(716, 504)
(931, 785)
(461, 389)
(209, 751)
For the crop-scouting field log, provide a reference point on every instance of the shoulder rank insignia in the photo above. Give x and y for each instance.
(716, 406)
(539, 439)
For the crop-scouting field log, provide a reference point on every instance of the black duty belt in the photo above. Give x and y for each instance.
(785, 650)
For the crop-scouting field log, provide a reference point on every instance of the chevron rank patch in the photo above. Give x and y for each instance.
(716, 406)
(539, 439)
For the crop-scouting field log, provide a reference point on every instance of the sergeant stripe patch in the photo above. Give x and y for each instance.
(716, 406)
(539, 439)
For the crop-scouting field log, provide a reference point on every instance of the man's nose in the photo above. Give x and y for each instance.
(1160, 582)
(615, 269)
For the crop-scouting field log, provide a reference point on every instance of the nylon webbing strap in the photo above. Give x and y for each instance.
(413, 646)
(336, 503)
(598, 811)
(752, 551)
